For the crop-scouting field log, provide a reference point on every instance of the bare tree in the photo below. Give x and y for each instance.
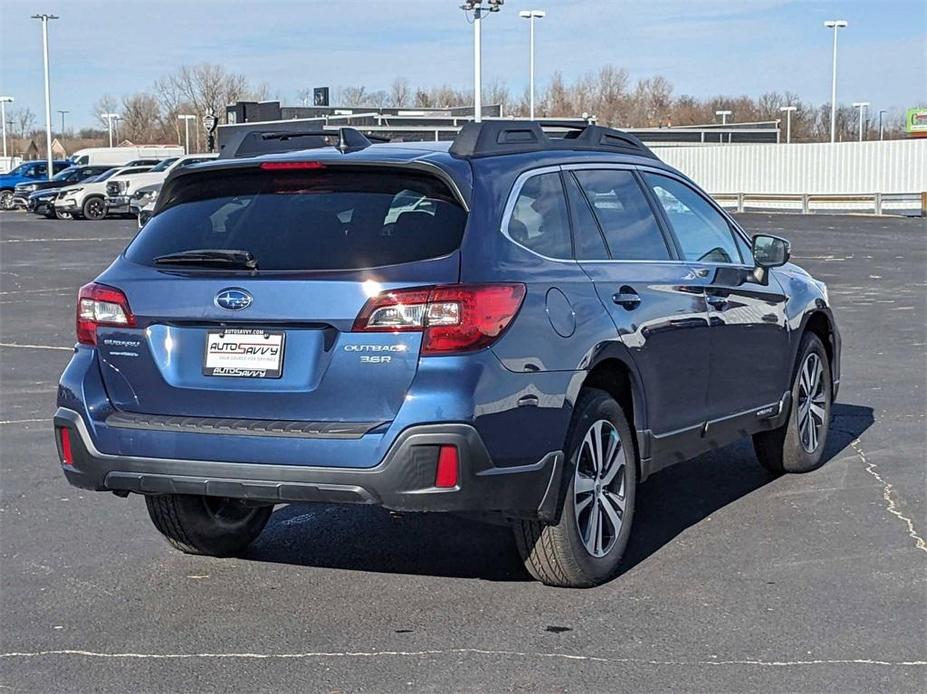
(141, 118)
(399, 92)
(105, 104)
(24, 119)
(354, 95)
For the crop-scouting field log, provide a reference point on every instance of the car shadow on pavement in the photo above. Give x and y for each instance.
(681, 496)
(366, 538)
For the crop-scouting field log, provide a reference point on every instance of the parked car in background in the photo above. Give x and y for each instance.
(70, 176)
(143, 202)
(116, 156)
(515, 327)
(119, 189)
(87, 200)
(29, 172)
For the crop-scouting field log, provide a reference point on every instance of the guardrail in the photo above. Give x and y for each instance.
(900, 203)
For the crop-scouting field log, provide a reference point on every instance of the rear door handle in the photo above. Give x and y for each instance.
(627, 297)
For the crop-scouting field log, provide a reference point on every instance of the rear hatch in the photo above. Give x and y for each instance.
(246, 285)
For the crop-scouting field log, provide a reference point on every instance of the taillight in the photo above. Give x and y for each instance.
(453, 318)
(98, 305)
(447, 469)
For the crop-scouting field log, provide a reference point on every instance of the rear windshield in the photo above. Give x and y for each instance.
(307, 220)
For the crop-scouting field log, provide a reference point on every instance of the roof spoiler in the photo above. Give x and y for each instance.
(273, 140)
(494, 137)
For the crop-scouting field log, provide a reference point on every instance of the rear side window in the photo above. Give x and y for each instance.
(626, 218)
(347, 219)
(539, 220)
(587, 238)
(702, 232)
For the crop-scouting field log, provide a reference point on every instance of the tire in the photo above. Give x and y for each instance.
(6, 199)
(61, 214)
(557, 555)
(210, 525)
(94, 209)
(798, 445)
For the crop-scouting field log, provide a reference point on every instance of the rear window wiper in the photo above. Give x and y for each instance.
(219, 257)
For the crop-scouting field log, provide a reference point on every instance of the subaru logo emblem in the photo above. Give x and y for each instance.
(233, 299)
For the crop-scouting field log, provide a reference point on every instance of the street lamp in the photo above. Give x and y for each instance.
(862, 106)
(109, 124)
(44, 18)
(882, 112)
(62, 120)
(476, 7)
(724, 115)
(788, 121)
(531, 15)
(4, 100)
(834, 24)
(186, 118)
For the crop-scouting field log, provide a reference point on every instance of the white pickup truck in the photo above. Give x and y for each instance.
(119, 189)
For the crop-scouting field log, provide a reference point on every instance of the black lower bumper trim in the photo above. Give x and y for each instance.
(403, 481)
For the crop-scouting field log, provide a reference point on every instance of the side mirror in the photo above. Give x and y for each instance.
(769, 251)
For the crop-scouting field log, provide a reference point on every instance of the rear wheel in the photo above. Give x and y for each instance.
(798, 445)
(586, 546)
(94, 208)
(6, 199)
(211, 525)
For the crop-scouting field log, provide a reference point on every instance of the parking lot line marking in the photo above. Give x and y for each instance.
(22, 421)
(14, 344)
(467, 651)
(82, 239)
(889, 495)
(37, 291)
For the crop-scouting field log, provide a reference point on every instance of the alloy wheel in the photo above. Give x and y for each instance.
(599, 488)
(95, 209)
(812, 402)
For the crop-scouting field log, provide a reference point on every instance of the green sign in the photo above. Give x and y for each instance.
(915, 120)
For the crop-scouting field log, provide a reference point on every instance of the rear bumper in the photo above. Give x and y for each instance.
(402, 481)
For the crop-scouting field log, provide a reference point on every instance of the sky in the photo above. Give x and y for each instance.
(704, 47)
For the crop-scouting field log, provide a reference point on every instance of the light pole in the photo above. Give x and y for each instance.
(109, 124)
(882, 112)
(186, 118)
(531, 15)
(4, 100)
(476, 6)
(835, 24)
(724, 115)
(62, 120)
(48, 134)
(788, 121)
(862, 106)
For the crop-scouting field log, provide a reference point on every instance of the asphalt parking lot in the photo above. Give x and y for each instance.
(736, 580)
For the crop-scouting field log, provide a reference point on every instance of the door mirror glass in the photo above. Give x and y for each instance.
(770, 251)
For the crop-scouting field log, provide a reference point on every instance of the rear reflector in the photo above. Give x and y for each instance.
(453, 318)
(448, 465)
(291, 165)
(66, 456)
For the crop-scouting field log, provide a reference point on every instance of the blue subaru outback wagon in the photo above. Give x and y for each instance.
(519, 326)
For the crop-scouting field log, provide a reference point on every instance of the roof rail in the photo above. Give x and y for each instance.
(494, 137)
(272, 140)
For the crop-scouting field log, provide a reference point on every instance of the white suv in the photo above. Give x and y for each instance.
(87, 199)
(119, 189)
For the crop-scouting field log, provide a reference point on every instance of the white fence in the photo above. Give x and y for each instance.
(846, 168)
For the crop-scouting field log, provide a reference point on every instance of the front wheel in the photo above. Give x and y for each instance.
(798, 445)
(6, 199)
(61, 214)
(211, 525)
(586, 546)
(94, 208)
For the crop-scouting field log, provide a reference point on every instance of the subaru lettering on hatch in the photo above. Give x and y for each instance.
(233, 299)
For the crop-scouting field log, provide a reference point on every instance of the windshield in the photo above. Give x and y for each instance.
(64, 175)
(164, 164)
(18, 171)
(307, 220)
